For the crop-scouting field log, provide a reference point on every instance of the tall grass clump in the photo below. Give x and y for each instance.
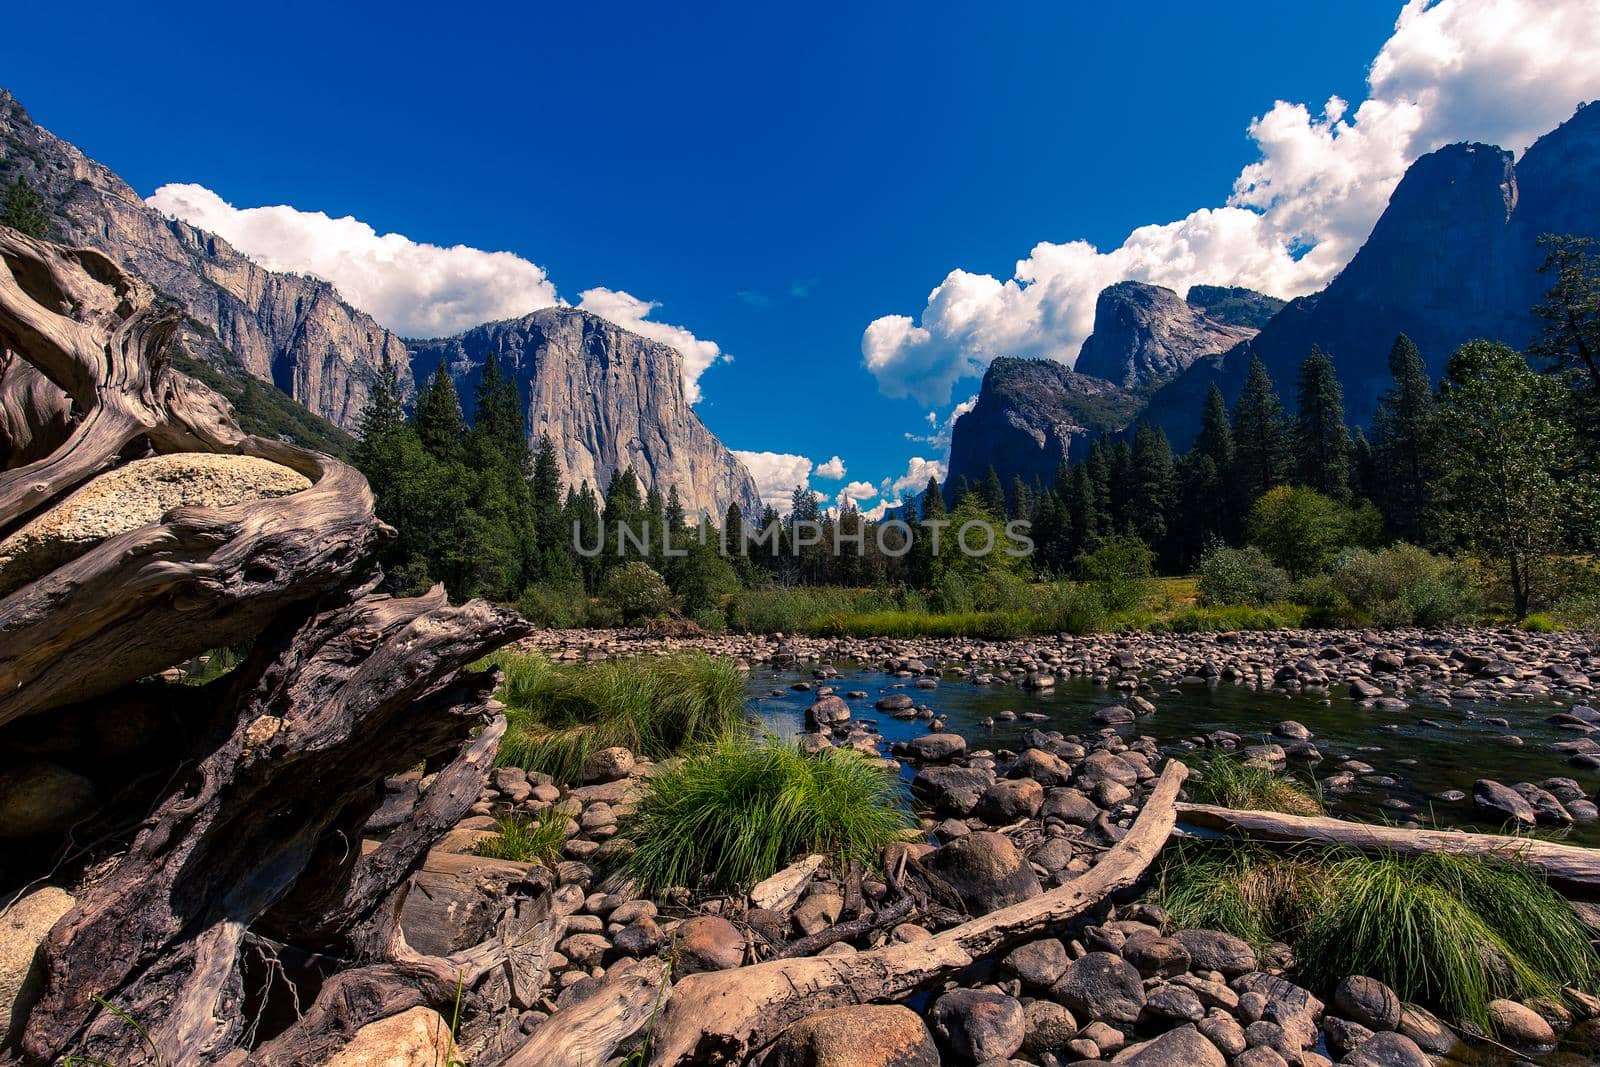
(1232, 782)
(733, 812)
(535, 840)
(1449, 931)
(654, 705)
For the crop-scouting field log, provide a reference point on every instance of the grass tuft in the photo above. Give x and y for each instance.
(732, 813)
(536, 840)
(1232, 782)
(1444, 930)
(653, 705)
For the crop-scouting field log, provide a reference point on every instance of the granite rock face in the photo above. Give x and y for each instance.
(1032, 414)
(609, 399)
(1454, 257)
(288, 329)
(1145, 335)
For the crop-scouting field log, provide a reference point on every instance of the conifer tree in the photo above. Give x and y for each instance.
(1403, 447)
(1322, 441)
(1260, 440)
(1150, 485)
(992, 495)
(22, 208)
(439, 425)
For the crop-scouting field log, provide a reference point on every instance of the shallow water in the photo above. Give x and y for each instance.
(1421, 760)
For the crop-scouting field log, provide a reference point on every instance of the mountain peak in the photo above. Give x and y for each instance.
(1145, 335)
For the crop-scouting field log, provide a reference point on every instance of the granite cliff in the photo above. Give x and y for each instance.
(609, 399)
(1146, 335)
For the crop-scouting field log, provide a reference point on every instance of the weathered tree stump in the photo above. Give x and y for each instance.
(255, 836)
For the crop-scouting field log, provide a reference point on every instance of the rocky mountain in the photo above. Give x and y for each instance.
(1146, 335)
(287, 329)
(1234, 305)
(609, 399)
(1454, 257)
(1031, 414)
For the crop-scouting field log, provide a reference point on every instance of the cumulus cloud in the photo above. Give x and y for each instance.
(413, 288)
(776, 475)
(940, 430)
(914, 480)
(858, 491)
(1500, 71)
(833, 469)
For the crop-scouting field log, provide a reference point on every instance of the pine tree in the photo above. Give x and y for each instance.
(1216, 432)
(22, 208)
(551, 533)
(733, 530)
(1151, 484)
(1119, 464)
(1322, 441)
(921, 563)
(1083, 513)
(1052, 535)
(1021, 499)
(1403, 446)
(438, 417)
(992, 494)
(1260, 441)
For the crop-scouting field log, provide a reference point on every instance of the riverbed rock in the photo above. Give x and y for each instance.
(1368, 1002)
(1387, 1050)
(1038, 963)
(1185, 1045)
(863, 1035)
(951, 790)
(417, 1037)
(1213, 950)
(707, 943)
(986, 871)
(933, 748)
(1010, 799)
(1101, 986)
(23, 929)
(1043, 767)
(1158, 957)
(827, 712)
(978, 1026)
(1519, 1025)
(1502, 801)
(39, 797)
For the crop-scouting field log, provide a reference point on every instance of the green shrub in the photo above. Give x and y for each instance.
(524, 840)
(634, 591)
(1578, 612)
(711, 620)
(1298, 528)
(1232, 618)
(1325, 605)
(1119, 570)
(555, 605)
(1240, 576)
(1540, 623)
(1444, 930)
(653, 705)
(1233, 782)
(797, 609)
(734, 812)
(995, 625)
(1399, 586)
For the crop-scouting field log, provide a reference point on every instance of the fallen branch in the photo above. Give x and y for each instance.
(1568, 866)
(724, 1016)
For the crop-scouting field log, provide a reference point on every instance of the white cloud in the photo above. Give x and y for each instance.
(943, 428)
(415, 289)
(1501, 71)
(833, 469)
(914, 480)
(858, 491)
(776, 475)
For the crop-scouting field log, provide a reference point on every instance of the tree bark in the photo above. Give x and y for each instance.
(1567, 866)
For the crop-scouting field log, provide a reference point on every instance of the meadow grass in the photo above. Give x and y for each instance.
(525, 840)
(653, 705)
(733, 812)
(990, 624)
(1232, 782)
(1448, 931)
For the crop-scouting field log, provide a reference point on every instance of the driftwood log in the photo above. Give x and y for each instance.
(725, 1016)
(1568, 867)
(252, 835)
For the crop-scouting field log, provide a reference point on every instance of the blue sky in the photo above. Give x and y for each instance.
(775, 177)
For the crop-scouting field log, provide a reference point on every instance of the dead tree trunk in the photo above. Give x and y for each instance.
(259, 832)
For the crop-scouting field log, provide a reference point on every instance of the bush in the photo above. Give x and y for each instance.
(1540, 623)
(537, 840)
(652, 705)
(1325, 605)
(1240, 576)
(1399, 586)
(555, 605)
(1298, 528)
(634, 591)
(733, 813)
(1233, 618)
(1578, 612)
(1236, 783)
(1445, 930)
(1119, 570)
(995, 625)
(1071, 609)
